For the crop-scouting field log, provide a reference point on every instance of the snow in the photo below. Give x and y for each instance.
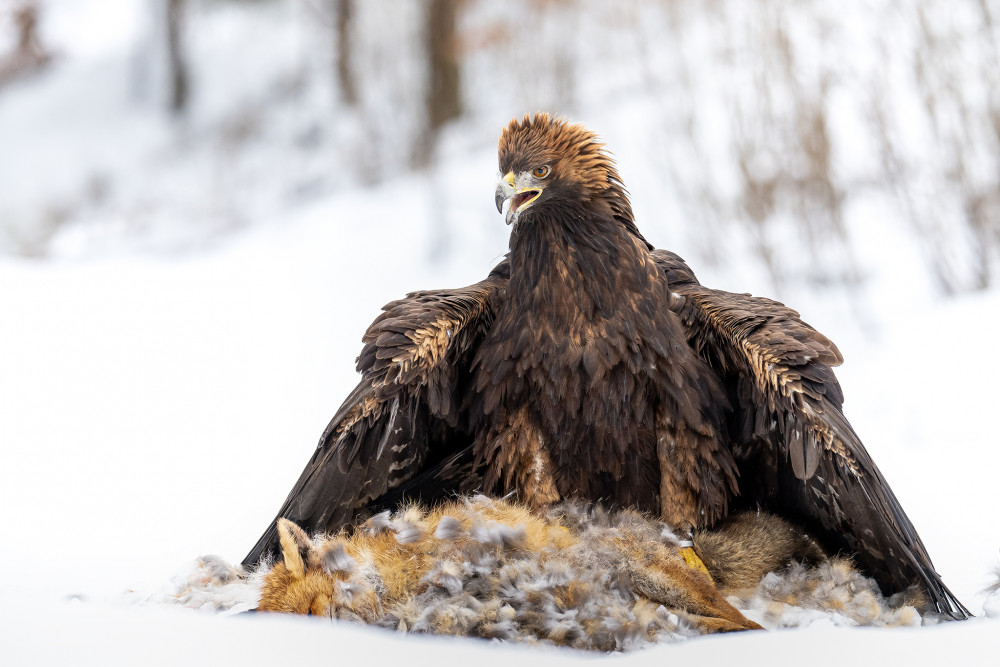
(78, 634)
(159, 394)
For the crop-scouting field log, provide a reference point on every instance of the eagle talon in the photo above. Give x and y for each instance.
(693, 560)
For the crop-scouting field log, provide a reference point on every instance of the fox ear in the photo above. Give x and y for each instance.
(295, 547)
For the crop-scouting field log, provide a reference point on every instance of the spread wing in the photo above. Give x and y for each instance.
(796, 453)
(402, 430)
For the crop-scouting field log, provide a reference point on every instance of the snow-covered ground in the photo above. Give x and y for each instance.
(78, 634)
(157, 404)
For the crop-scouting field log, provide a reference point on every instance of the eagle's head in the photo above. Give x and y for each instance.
(549, 164)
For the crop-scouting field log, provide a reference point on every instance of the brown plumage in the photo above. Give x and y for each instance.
(589, 365)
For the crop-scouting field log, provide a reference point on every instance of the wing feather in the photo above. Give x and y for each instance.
(401, 427)
(796, 452)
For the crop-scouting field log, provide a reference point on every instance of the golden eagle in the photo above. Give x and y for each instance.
(590, 365)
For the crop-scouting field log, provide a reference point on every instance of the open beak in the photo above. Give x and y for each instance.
(520, 198)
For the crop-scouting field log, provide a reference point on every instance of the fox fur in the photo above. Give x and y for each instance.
(745, 547)
(575, 575)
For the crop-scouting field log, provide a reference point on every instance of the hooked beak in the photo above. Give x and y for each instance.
(520, 198)
(505, 190)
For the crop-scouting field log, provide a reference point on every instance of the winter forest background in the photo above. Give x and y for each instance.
(192, 119)
(203, 203)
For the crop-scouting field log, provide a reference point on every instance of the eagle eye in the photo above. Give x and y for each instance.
(540, 172)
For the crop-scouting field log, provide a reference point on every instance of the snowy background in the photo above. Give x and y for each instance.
(183, 291)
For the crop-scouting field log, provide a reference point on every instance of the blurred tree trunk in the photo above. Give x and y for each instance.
(344, 12)
(177, 73)
(26, 20)
(29, 54)
(443, 102)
